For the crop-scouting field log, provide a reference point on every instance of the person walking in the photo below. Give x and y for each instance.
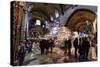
(69, 47)
(51, 43)
(80, 49)
(21, 53)
(86, 46)
(66, 46)
(76, 46)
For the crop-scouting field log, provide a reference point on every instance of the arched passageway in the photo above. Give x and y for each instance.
(81, 19)
(49, 33)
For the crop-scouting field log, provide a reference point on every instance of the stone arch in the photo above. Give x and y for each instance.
(79, 17)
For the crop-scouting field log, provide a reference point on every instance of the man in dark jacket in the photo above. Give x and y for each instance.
(69, 47)
(80, 48)
(66, 46)
(86, 46)
(51, 44)
(76, 46)
(42, 46)
(21, 53)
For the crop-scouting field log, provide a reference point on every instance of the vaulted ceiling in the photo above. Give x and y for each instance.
(43, 11)
(76, 21)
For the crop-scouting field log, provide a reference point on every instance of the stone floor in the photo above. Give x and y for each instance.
(57, 56)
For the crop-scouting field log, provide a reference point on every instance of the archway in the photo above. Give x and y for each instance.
(82, 20)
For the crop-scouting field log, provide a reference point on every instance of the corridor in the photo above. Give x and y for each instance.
(48, 33)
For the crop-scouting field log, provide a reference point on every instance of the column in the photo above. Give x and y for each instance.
(94, 26)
